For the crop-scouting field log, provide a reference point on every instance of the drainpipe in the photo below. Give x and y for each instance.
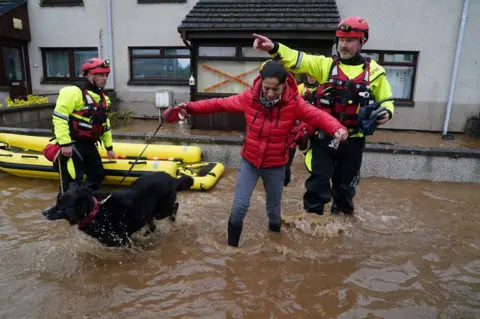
(446, 136)
(193, 59)
(110, 42)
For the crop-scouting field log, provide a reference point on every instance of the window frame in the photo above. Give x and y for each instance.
(237, 57)
(381, 61)
(160, 1)
(71, 65)
(61, 3)
(156, 81)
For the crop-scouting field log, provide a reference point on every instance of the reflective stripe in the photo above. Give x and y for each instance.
(335, 71)
(80, 118)
(299, 60)
(60, 115)
(108, 128)
(89, 99)
(84, 125)
(367, 76)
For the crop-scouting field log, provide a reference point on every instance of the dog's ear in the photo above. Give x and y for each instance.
(76, 205)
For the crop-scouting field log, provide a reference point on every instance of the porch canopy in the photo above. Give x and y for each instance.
(279, 19)
(14, 20)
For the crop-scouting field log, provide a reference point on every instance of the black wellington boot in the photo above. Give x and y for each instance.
(234, 232)
(274, 227)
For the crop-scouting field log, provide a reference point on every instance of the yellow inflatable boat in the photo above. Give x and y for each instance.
(205, 174)
(185, 154)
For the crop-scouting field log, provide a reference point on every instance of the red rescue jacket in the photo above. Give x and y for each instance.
(267, 137)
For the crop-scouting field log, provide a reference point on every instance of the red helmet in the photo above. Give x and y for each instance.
(353, 27)
(95, 65)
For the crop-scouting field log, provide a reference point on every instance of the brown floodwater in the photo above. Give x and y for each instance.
(411, 251)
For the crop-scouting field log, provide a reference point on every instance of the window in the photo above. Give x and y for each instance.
(227, 69)
(217, 51)
(12, 63)
(161, 1)
(65, 65)
(401, 68)
(160, 65)
(61, 3)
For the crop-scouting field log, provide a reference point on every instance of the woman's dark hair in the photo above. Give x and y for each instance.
(274, 69)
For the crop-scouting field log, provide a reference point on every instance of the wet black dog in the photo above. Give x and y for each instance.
(114, 218)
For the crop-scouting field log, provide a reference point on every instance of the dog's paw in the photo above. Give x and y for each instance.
(173, 217)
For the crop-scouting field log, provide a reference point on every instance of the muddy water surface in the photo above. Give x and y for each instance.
(411, 251)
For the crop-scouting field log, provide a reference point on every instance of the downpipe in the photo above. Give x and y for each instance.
(446, 136)
(110, 42)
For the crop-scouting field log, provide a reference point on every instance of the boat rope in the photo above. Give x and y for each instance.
(162, 120)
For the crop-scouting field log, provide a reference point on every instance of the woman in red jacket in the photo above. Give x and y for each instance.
(271, 107)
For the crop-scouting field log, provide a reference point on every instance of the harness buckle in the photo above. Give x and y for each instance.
(365, 95)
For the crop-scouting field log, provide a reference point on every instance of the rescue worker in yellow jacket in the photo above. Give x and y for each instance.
(80, 121)
(308, 84)
(350, 84)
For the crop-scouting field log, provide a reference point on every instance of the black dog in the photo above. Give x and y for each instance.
(114, 218)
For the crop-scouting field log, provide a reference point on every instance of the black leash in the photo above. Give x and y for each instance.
(162, 120)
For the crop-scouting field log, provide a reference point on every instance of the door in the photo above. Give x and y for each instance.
(14, 70)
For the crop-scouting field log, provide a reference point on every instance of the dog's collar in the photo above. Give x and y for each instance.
(93, 212)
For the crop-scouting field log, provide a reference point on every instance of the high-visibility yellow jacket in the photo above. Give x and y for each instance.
(301, 89)
(70, 100)
(318, 66)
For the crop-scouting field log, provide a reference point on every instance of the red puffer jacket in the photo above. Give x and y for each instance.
(267, 134)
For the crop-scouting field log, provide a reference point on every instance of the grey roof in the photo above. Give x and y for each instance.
(8, 5)
(281, 15)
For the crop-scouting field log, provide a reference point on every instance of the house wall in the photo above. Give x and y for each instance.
(87, 26)
(425, 26)
(430, 27)
(63, 27)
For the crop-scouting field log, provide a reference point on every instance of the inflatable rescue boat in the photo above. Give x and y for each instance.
(205, 174)
(185, 154)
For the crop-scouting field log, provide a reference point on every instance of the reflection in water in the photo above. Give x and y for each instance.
(411, 251)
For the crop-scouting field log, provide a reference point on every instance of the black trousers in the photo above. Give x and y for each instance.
(340, 166)
(86, 161)
(288, 171)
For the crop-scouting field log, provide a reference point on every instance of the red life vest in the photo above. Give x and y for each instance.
(96, 113)
(343, 97)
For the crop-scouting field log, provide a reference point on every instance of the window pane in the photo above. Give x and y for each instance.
(249, 52)
(217, 51)
(210, 79)
(408, 58)
(57, 64)
(13, 64)
(146, 52)
(161, 68)
(371, 55)
(170, 52)
(400, 78)
(81, 56)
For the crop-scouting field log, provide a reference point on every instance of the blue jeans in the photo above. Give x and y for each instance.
(247, 179)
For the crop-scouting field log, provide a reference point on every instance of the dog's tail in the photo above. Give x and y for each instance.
(183, 182)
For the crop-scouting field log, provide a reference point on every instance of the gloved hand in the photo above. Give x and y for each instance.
(383, 117)
(175, 114)
(340, 135)
(300, 139)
